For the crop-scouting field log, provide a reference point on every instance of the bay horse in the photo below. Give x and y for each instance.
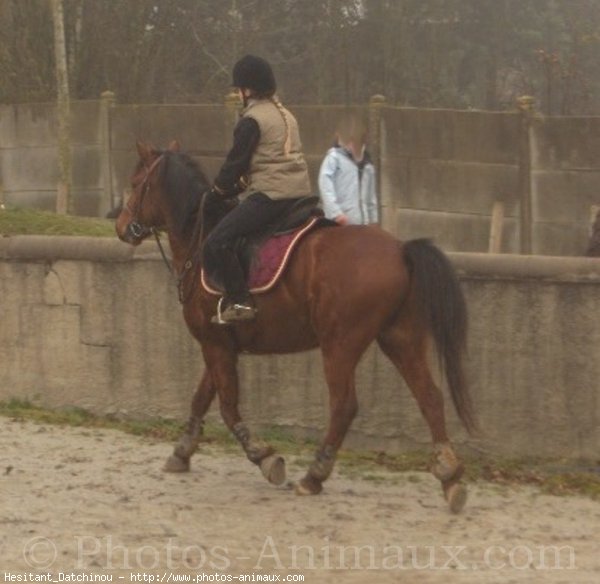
(344, 288)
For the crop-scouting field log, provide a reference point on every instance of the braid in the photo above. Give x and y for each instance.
(288, 136)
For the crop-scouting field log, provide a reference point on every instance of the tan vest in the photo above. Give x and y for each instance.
(272, 171)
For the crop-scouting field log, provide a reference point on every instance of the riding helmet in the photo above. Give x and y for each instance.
(254, 73)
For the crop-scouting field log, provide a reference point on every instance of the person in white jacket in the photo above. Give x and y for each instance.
(347, 184)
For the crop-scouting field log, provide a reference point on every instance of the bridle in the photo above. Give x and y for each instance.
(139, 230)
(135, 227)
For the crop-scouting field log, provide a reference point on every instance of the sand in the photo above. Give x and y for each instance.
(80, 503)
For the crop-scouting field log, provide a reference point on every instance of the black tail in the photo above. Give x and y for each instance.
(443, 309)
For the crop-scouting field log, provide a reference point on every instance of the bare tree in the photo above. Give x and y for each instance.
(63, 199)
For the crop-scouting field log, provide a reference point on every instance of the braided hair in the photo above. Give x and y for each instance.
(288, 135)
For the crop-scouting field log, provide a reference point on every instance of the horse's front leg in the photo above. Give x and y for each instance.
(223, 365)
(343, 405)
(179, 461)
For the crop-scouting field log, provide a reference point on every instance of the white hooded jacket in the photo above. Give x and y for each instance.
(346, 189)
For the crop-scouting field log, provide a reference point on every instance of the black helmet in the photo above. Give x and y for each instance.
(254, 73)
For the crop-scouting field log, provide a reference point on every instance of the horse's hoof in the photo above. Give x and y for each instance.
(273, 469)
(446, 466)
(177, 464)
(456, 495)
(308, 487)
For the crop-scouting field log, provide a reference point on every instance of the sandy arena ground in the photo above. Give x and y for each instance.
(77, 502)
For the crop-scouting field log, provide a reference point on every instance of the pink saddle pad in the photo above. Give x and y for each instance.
(270, 262)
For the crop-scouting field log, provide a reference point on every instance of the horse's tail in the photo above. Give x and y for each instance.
(442, 306)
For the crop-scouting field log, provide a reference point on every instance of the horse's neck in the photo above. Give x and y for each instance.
(184, 247)
(188, 247)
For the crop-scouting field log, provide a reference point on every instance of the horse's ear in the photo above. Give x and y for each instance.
(144, 150)
(174, 146)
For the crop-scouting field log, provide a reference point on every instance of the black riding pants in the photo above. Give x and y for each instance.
(251, 216)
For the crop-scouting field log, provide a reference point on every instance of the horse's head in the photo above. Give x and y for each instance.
(142, 213)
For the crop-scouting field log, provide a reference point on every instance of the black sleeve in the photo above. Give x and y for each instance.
(230, 181)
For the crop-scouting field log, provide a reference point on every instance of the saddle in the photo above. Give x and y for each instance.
(265, 256)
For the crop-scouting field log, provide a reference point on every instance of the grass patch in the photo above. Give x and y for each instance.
(159, 429)
(23, 221)
(555, 477)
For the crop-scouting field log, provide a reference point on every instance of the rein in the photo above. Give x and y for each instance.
(166, 261)
(193, 256)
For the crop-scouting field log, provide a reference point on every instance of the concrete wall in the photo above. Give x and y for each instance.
(441, 171)
(28, 156)
(565, 182)
(96, 324)
(203, 130)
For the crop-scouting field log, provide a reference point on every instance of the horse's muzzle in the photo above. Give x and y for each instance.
(138, 231)
(133, 233)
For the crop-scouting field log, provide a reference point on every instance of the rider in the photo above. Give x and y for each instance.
(265, 168)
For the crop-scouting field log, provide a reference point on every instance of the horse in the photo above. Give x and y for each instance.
(343, 288)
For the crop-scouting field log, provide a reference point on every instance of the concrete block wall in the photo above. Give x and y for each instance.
(202, 130)
(96, 324)
(565, 182)
(440, 171)
(28, 156)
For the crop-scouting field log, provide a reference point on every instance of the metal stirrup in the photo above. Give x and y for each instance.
(219, 311)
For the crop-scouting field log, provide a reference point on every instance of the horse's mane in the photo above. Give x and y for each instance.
(183, 183)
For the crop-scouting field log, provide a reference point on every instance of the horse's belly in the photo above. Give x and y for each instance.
(280, 336)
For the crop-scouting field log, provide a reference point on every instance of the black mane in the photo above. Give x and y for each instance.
(184, 183)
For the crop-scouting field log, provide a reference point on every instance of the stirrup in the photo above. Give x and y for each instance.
(232, 313)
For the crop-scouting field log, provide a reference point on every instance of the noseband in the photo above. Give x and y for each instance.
(135, 227)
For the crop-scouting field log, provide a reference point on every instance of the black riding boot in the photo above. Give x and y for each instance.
(236, 304)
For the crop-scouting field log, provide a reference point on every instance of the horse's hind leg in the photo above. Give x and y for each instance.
(179, 461)
(410, 357)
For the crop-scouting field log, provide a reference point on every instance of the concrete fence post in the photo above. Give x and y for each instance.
(495, 243)
(107, 100)
(526, 107)
(376, 104)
